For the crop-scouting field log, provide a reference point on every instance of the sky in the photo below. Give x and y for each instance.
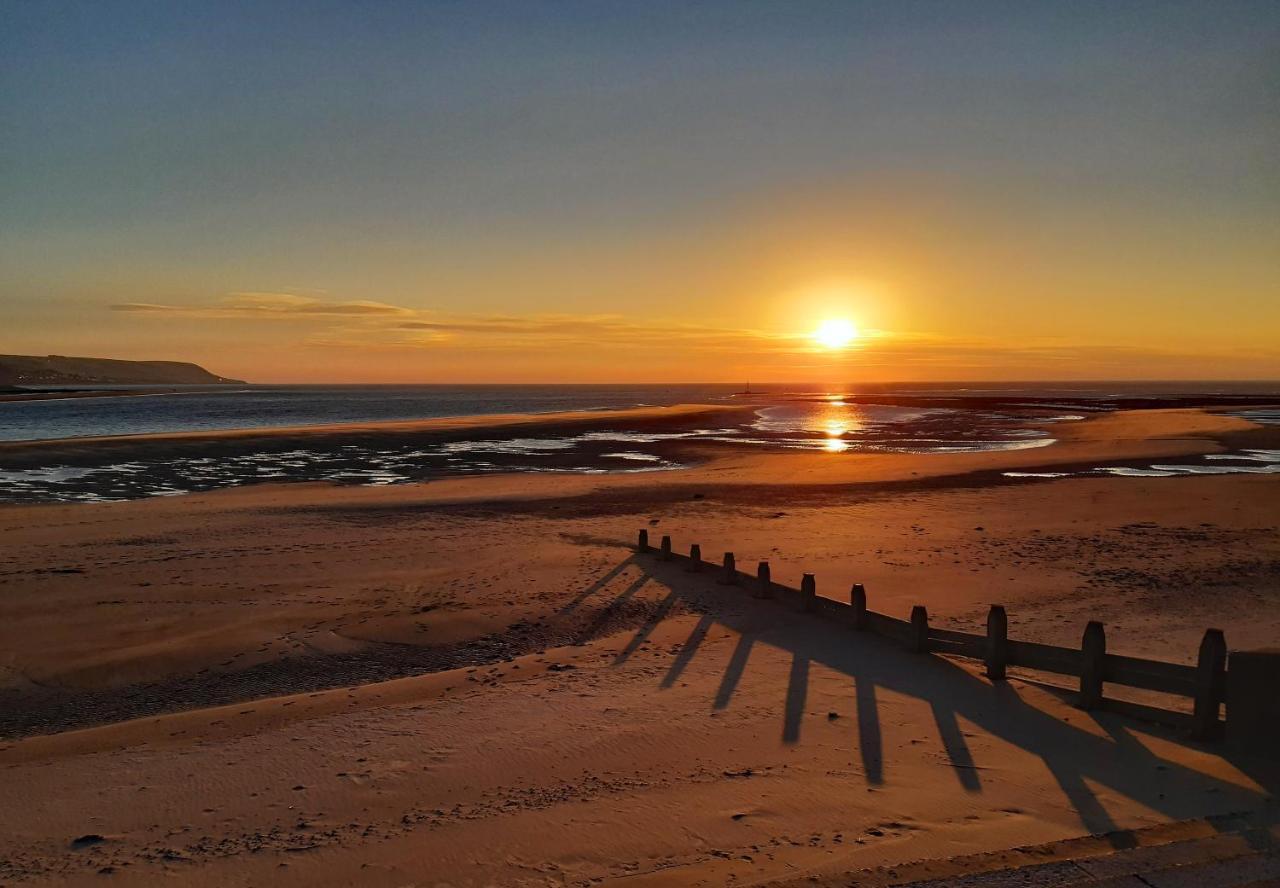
(646, 191)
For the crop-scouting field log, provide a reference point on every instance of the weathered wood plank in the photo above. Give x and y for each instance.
(1150, 675)
(953, 635)
(838, 611)
(858, 601)
(996, 652)
(808, 592)
(889, 627)
(729, 573)
(920, 629)
(1047, 657)
(1093, 657)
(695, 558)
(1210, 682)
(971, 648)
(764, 583)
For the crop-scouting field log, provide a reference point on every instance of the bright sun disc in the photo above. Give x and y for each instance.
(835, 333)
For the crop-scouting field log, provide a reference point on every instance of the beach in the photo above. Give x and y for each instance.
(633, 445)
(478, 680)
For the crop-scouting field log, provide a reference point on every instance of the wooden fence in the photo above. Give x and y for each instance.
(1204, 683)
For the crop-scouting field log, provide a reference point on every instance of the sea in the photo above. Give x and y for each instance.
(836, 419)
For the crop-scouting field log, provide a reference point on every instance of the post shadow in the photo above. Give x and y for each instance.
(957, 749)
(611, 608)
(1074, 756)
(870, 742)
(596, 586)
(643, 633)
(1090, 811)
(733, 672)
(797, 693)
(688, 649)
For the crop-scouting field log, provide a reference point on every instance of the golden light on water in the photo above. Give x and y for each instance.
(838, 421)
(835, 442)
(835, 333)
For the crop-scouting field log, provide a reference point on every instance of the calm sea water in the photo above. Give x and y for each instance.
(781, 418)
(195, 408)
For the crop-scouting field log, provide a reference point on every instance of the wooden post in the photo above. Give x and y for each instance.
(666, 549)
(920, 629)
(764, 585)
(858, 600)
(1253, 706)
(997, 642)
(808, 594)
(1093, 662)
(643, 544)
(695, 558)
(1211, 669)
(729, 577)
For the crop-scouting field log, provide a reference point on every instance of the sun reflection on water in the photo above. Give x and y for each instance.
(835, 442)
(838, 419)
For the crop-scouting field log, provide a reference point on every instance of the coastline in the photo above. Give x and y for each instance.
(19, 454)
(524, 455)
(1121, 428)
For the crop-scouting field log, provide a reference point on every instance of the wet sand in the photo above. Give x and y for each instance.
(475, 682)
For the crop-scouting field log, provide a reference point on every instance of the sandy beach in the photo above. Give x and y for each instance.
(476, 681)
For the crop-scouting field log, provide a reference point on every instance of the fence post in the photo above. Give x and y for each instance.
(695, 558)
(764, 585)
(858, 600)
(1253, 706)
(808, 594)
(730, 575)
(1093, 661)
(1211, 676)
(666, 549)
(920, 629)
(643, 544)
(997, 642)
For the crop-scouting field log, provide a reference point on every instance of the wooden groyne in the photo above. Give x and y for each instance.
(1245, 682)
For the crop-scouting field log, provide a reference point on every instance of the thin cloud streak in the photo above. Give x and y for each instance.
(378, 327)
(267, 305)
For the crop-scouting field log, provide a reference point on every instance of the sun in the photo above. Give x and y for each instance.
(835, 333)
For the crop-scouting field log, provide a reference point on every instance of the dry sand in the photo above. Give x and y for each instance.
(475, 682)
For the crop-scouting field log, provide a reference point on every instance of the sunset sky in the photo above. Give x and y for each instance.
(644, 191)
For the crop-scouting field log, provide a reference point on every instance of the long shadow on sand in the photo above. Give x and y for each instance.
(1076, 757)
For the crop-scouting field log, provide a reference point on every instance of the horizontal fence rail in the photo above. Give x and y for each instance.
(1204, 683)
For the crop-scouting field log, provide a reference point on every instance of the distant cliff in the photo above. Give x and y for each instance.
(59, 370)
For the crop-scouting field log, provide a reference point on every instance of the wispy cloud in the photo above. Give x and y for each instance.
(551, 333)
(380, 325)
(588, 328)
(268, 305)
(611, 340)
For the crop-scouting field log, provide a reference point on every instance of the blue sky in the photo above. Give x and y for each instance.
(538, 158)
